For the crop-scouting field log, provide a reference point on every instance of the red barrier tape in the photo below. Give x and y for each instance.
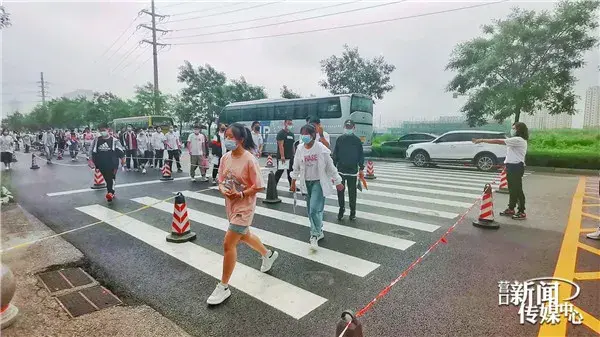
(385, 290)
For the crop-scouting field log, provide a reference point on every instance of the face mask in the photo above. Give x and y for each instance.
(349, 131)
(230, 144)
(306, 139)
(197, 131)
(104, 133)
(257, 128)
(290, 127)
(6, 133)
(513, 132)
(222, 130)
(128, 129)
(170, 130)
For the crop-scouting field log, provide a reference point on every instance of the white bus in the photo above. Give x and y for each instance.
(331, 110)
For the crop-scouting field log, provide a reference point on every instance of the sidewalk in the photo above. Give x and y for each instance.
(39, 313)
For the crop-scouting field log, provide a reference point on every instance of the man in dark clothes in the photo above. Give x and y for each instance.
(349, 159)
(285, 151)
(105, 153)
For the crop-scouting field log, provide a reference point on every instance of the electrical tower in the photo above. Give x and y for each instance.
(43, 88)
(155, 46)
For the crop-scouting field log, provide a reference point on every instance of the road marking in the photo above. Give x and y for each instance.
(452, 182)
(591, 216)
(446, 185)
(117, 186)
(402, 197)
(567, 258)
(396, 221)
(437, 176)
(425, 170)
(591, 205)
(426, 173)
(589, 248)
(590, 275)
(285, 297)
(355, 233)
(587, 230)
(328, 257)
(588, 320)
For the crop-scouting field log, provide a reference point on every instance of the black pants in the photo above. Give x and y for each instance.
(350, 183)
(279, 172)
(158, 158)
(109, 177)
(174, 154)
(131, 156)
(514, 178)
(26, 148)
(216, 169)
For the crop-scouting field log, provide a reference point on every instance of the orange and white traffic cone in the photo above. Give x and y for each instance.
(486, 214)
(503, 186)
(270, 162)
(99, 182)
(180, 227)
(166, 172)
(370, 170)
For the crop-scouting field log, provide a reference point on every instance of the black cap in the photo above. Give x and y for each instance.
(349, 123)
(315, 120)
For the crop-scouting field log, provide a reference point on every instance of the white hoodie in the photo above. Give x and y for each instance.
(328, 174)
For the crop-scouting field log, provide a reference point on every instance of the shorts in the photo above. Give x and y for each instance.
(238, 229)
(6, 157)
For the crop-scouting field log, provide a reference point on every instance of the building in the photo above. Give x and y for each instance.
(591, 115)
(542, 120)
(88, 94)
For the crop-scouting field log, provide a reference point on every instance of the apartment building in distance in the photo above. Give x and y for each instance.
(543, 120)
(591, 112)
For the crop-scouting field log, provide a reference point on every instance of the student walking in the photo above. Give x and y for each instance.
(105, 154)
(7, 143)
(314, 169)
(73, 143)
(27, 142)
(48, 143)
(197, 146)
(349, 159)
(143, 144)
(131, 148)
(257, 139)
(239, 181)
(173, 149)
(285, 151)
(516, 149)
(158, 143)
(218, 149)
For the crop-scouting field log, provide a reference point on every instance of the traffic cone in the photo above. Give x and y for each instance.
(8, 312)
(370, 170)
(486, 214)
(270, 162)
(99, 182)
(180, 227)
(166, 172)
(352, 330)
(503, 186)
(34, 165)
(272, 197)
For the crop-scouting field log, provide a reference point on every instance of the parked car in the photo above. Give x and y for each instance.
(400, 145)
(456, 147)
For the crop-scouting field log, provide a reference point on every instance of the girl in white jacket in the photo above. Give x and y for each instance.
(314, 169)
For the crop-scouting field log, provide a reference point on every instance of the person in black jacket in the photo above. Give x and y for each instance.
(105, 153)
(349, 159)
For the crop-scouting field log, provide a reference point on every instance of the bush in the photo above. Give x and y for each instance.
(577, 159)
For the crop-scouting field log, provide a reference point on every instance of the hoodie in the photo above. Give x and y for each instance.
(328, 174)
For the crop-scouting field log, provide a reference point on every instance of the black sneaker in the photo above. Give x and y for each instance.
(341, 214)
(508, 212)
(519, 216)
(352, 215)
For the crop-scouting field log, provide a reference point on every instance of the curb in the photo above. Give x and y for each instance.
(543, 169)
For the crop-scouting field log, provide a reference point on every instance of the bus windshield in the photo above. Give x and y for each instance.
(360, 103)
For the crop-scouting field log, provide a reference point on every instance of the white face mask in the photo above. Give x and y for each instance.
(513, 132)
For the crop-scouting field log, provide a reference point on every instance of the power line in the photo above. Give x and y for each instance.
(141, 64)
(289, 21)
(221, 13)
(124, 43)
(135, 58)
(175, 4)
(207, 9)
(120, 36)
(267, 17)
(136, 46)
(344, 26)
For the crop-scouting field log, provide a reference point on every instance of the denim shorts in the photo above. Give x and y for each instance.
(238, 229)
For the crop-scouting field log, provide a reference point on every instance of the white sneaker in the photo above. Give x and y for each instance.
(595, 235)
(314, 242)
(267, 262)
(204, 179)
(321, 236)
(192, 179)
(220, 294)
(144, 171)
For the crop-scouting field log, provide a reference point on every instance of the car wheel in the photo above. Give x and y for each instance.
(485, 162)
(420, 158)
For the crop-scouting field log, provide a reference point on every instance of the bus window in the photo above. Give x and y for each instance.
(363, 104)
(265, 113)
(233, 115)
(330, 108)
(301, 110)
(284, 111)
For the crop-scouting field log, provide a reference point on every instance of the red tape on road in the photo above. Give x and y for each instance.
(387, 289)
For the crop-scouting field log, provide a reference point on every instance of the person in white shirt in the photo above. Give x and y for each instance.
(516, 149)
(143, 145)
(158, 143)
(197, 146)
(173, 144)
(7, 143)
(48, 143)
(322, 136)
(257, 138)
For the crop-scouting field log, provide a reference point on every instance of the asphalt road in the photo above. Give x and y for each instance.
(453, 291)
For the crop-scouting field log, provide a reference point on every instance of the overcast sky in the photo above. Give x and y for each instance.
(70, 43)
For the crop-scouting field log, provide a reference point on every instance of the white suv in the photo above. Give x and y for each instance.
(456, 147)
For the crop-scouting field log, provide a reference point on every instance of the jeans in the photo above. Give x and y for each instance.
(351, 186)
(315, 205)
(158, 158)
(131, 156)
(514, 178)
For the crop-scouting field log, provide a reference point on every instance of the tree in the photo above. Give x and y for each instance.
(144, 101)
(288, 93)
(241, 91)
(524, 63)
(351, 73)
(182, 110)
(14, 122)
(4, 18)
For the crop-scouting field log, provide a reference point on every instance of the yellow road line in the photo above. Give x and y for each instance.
(588, 320)
(591, 216)
(567, 257)
(587, 230)
(589, 248)
(592, 197)
(589, 275)
(591, 205)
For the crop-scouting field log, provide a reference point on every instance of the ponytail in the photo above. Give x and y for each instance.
(241, 132)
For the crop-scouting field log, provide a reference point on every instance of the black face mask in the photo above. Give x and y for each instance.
(257, 128)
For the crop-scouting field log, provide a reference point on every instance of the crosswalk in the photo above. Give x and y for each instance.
(403, 199)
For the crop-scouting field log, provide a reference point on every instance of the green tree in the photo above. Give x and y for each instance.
(182, 110)
(241, 91)
(144, 101)
(524, 63)
(4, 18)
(288, 93)
(352, 73)
(16, 121)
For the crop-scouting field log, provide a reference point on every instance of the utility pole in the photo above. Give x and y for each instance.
(43, 88)
(155, 46)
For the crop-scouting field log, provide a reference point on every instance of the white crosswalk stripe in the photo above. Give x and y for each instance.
(425, 171)
(293, 301)
(454, 177)
(416, 180)
(400, 182)
(331, 258)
